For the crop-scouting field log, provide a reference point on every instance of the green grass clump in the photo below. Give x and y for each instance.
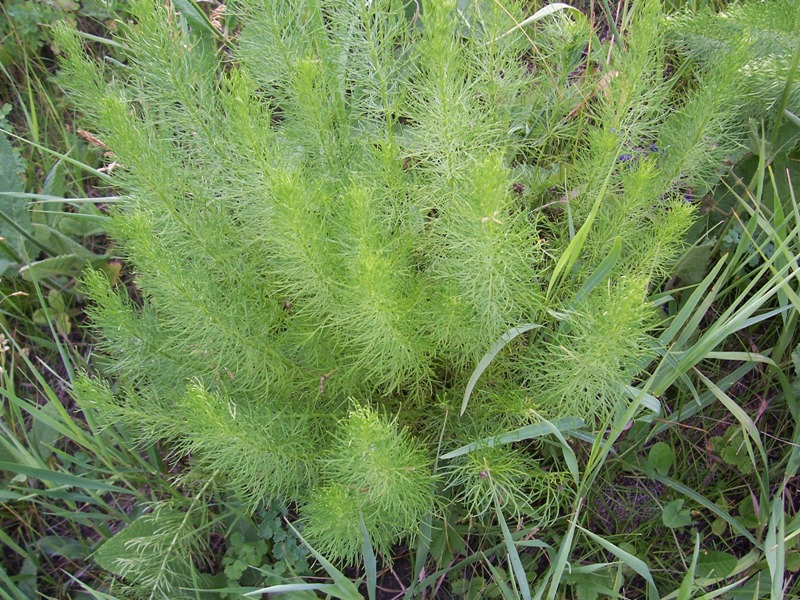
(331, 221)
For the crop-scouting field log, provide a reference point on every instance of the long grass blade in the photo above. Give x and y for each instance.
(774, 546)
(602, 272)
(346, 590)
(370, 564)
(629, 559)
(489, 356)
(741, 416)
(573, 250)
(687, 585)
(55, 478)
(710, 506)
(556, 572)
(565, 425)
(513, 556)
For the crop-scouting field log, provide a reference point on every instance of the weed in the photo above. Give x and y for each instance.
(336, 218)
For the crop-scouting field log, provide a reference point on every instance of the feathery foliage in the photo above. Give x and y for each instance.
(771, 32)
(330, 223)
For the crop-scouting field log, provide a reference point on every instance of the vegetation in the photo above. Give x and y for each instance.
(466, 297)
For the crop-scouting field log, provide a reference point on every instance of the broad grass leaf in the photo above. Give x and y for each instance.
(55, 185)
(774, 545)
(342, 587)
(601, 273)
(196, 18)
(694, 265)
(117, 550)
(67, 547)
(687, 585)
(156, 552)
(43, 436)
(55, 478)
(541, 14)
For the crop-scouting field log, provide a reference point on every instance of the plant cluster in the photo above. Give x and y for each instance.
(418, 274)
(334, 220)
(22, 28)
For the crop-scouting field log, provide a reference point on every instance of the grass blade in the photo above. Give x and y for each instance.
(513, 555)
(629, 559)
(61, 479)
(286, 588)
(741, 416)
(692, 302)
(692, 408)
(564, 552)
(774, 547)
(370, 564)
(489, 356)
(649, 401)
(710, 506)
(565, 425)
(601, 272)
(345, 588)
(573, 251)
(685, 591)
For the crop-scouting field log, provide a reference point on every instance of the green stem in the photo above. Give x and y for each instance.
(612, 24)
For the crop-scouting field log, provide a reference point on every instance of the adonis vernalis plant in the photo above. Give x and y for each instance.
(332, 219)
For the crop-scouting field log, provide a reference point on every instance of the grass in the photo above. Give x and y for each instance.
(695, 499)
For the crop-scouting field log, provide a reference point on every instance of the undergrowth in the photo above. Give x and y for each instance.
(431, 274)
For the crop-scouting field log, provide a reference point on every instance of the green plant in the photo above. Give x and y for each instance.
(64, 487)
(330, 229)
(80, 506)
(23, 29)
(774, 49)
(51, 200)
(267, 553)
